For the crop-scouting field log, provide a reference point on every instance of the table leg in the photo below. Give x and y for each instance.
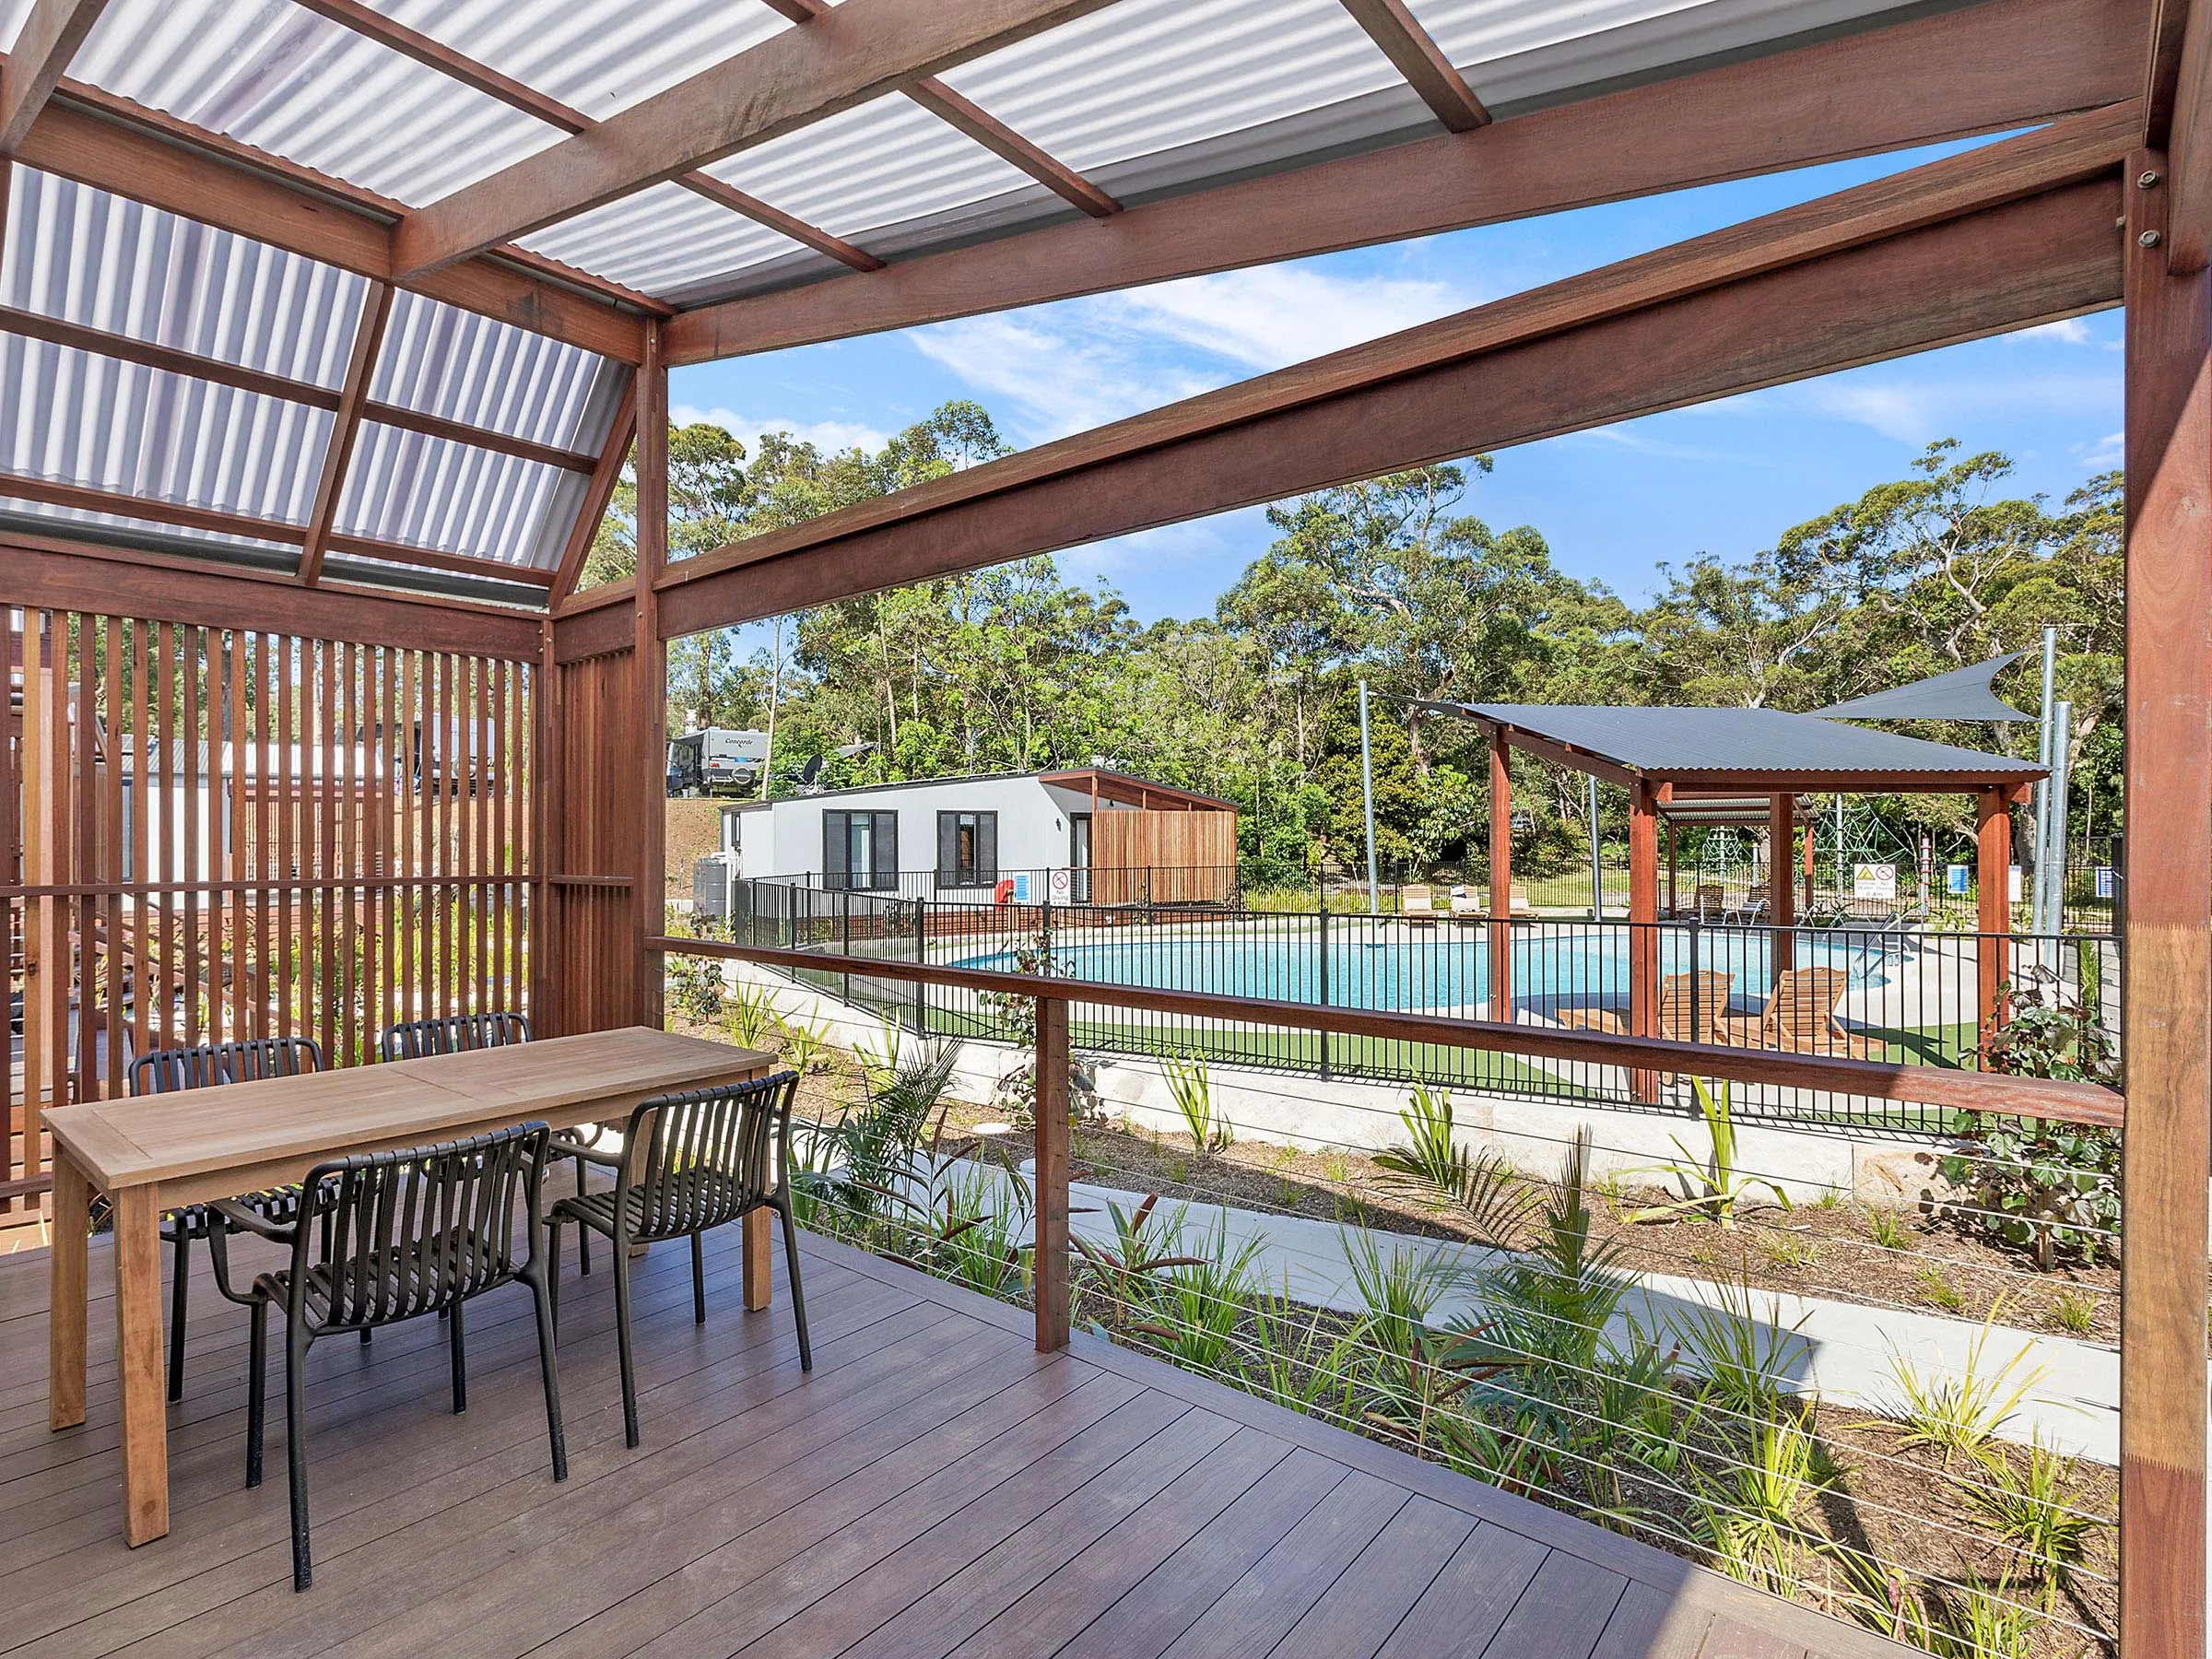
(68, 1292)
(759, 1236)
(141, 1384)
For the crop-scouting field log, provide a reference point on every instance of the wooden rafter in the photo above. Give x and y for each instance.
(337, 454)
(597, 495)
(1414, 54)
(1983, 69)
(374, 25)
(860, 50)
(2188, 236)
(171, 360)
(985, 128)
(1527, 367)
(144, 157)
(45, 45)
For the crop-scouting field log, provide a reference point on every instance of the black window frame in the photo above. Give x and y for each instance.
(953, 875)
(837, 845)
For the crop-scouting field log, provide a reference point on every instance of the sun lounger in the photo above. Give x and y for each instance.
(1800, 1018)
(1691, 1006)
(1417, 906)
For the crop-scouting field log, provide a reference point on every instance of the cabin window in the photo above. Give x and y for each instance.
(967, 849)
(860, 851)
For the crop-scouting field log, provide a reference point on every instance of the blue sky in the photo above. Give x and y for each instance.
(1615, 505)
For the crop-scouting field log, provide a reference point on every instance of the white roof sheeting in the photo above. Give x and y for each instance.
(665, 238)
(441, 360)
(454, 498)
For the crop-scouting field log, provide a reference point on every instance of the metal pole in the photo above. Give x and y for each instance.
(1597, 867)
(2038, 914)
(2062, 727)
(1367, 785)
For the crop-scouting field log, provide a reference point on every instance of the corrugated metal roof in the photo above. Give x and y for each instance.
(441, 360)
(1662, 743)
(455, 498)
(1962, 694)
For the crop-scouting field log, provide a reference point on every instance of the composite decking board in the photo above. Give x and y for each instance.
(961, 1605)
(1561, 1614)
(1260, 1609)
(548, 1569)
(1471, 1596)
(934, 1486)
(1144, 1622)
(1358, 1612)
(917, 1565)
(769, 1594)
(1051, 1614)
(434, 1466)
(378, 1580)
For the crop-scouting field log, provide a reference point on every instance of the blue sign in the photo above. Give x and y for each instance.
(1958, 880)
(2108, 881)
(1021, 888)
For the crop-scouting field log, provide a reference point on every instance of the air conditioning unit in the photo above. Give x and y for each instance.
(714, 881)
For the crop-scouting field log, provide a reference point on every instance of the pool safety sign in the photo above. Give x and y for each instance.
(1874, 881)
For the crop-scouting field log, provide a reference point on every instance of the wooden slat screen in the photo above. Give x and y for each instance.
(218, 833)
(594, 823)
(1141, 855)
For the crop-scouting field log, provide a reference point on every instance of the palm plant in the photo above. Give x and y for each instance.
(1483, 1189)
(1713, 1186)
(1191, 1088)
(750, 1013)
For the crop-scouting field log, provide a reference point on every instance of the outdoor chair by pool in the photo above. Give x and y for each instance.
(1800, 1018)
(414, 1231)
(172, 1071)
(1417, 906)
(459, 1033)
(690, 1162)
(1752, 908)
(1691, 1006)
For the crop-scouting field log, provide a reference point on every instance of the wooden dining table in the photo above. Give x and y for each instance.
(156, 1153)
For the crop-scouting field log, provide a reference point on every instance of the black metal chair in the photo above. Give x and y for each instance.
(173, 1070)
(457, 1034)
(414, 1232)
(690, 1162)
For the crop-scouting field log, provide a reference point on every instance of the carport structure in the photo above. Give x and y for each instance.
(1712, 758)
(327, 326)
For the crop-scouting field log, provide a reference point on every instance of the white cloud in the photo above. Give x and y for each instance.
(1916, 410)
(829, 436)
(1056, 379)
(2105, 453)
(1271, 316)
(2072, 331)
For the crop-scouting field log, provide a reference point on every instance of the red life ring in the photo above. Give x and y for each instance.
(1004, 893)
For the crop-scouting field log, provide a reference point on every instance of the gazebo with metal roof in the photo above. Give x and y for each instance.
(1698, 761)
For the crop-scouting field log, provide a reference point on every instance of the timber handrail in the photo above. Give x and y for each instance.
(2060, 1098)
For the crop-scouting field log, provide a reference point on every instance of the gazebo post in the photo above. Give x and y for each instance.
(1809, 870)
(1674, 898)
(1992, 877)
(1643, 926)
(1781, 890)
(1502, 878)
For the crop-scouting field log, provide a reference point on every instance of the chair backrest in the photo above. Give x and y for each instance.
(703, 1157)
(417, 1229)
(1799, 1010)
(1690, 1005)
(1416, 901)
(166, 1071)
(419, 1039)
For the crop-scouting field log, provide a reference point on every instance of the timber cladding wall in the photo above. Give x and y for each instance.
(218, 833)
(1163, 857)
(596, 823)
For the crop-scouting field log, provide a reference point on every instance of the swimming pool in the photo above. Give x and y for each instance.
(1445, 968)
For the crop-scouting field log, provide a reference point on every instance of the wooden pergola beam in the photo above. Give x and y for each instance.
(601, 491)
(337, 454)
(2188, 234)
(432, 54)
(55, 573)
(43, 46)
(985, 128)
(860, 50)
(1444, 389)
(1983, 69)
(1413, 53)
(135, 155)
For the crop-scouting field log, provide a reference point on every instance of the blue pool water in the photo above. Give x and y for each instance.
(1445, 968)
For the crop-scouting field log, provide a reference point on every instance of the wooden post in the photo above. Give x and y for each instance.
(1993, 875)
(1674, 869)
(1501, 880)
(45, 821)
(1643, 926)
(1782, 891)
(1809, 870)
(544, 931)
(1053, 1111)
(2167, 1038)
(650, 668)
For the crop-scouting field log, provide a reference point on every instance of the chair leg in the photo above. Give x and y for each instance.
(542, 1292)
(798, 1295)
(583, 1234)
(295, 1448)
(257, 1388)
(178, 1291)
(622, 1344)
(553, 1272)
(699, 1281)
(453, 1332)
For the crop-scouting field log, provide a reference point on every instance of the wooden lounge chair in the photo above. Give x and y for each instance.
(1712, 902)
(1516, 900)
(1800, 1018)
(1691, 1006)
(1416, 905)
(1465, 906)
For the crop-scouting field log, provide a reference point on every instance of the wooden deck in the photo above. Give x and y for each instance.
(935, 1488)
